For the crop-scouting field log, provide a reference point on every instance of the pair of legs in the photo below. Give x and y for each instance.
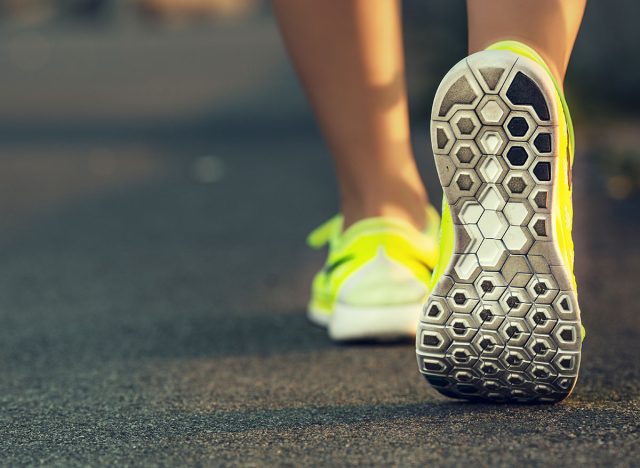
(349, 55)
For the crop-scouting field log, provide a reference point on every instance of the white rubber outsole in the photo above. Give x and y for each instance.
(503, 322)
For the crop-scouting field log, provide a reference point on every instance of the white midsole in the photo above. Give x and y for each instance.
(318, 317)
(374, 322)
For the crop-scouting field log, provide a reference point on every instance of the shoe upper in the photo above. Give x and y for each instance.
(563, 198)
(375, 262)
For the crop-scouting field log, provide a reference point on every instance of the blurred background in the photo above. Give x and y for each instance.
(159, 171)
(99, 93)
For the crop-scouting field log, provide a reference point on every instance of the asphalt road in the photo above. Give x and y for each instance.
(156, 189)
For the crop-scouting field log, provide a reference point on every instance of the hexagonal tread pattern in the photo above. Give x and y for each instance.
(503, 322)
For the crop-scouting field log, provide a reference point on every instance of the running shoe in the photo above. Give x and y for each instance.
(376, 277)
(502, 322)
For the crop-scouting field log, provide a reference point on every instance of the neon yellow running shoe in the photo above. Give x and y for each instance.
(502, 322)
(376, 277)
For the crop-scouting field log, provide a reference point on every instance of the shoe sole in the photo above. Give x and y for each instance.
(388, 323)
(318, 317)
(502, 323)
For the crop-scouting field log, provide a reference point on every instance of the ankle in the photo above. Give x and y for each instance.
(408, 206)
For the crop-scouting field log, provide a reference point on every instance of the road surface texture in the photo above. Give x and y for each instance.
(156, 188)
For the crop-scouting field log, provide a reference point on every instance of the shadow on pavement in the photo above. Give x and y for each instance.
(433, 413)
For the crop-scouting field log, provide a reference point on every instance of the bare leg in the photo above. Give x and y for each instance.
(549, 26)
(349, 55)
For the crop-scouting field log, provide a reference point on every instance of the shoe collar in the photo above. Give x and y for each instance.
(331, 231)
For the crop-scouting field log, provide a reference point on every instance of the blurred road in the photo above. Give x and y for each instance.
(155, 191)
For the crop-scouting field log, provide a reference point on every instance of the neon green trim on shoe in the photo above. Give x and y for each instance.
(376, 262)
